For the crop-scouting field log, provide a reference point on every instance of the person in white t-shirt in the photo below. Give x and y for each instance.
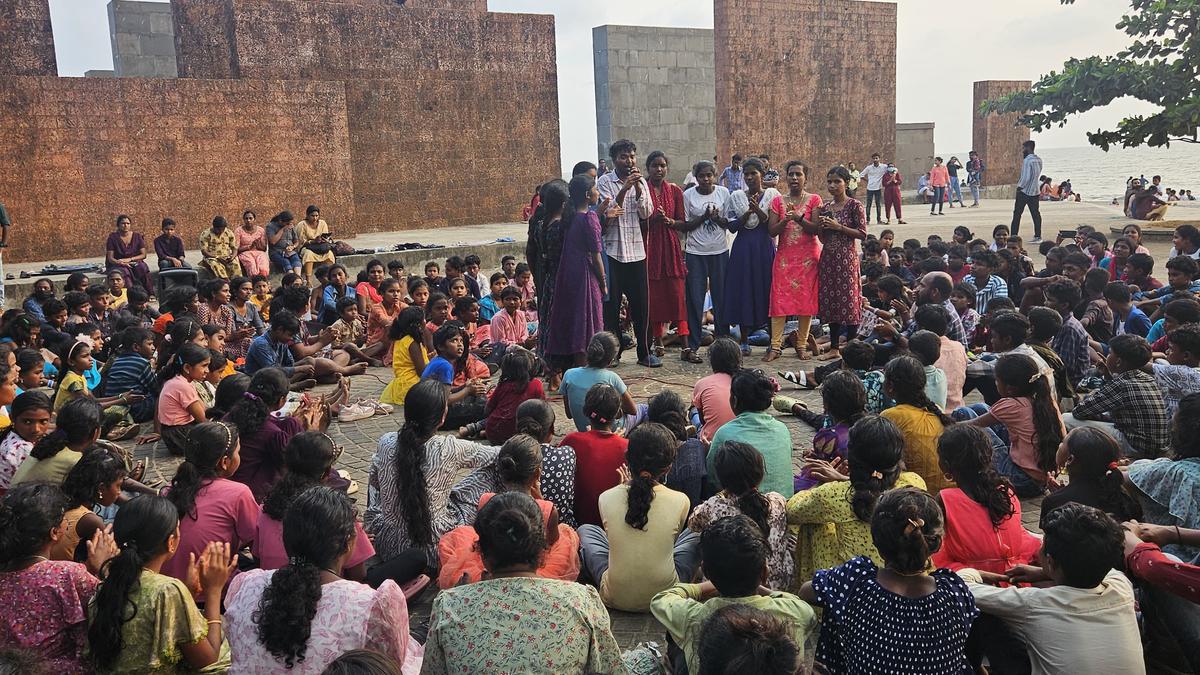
(706, 252)
(873, 174)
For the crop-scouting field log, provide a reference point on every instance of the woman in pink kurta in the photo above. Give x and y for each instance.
(252, 247)
(794, 280)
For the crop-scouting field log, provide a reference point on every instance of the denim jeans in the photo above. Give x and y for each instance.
(705, 274)
(939, 196)
(974, 191)
(877, 197)
(593, 552)
(285, 262)
(1022, 484)
(955, 190)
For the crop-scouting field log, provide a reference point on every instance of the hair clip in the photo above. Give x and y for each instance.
(1113, 466)
(1035, 377)
(876, 474)
(913, 524)
(252, 397)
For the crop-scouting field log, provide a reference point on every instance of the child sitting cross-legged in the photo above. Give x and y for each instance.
(644, 546)
(520, 467)
(844, 401)
(899, 616)
(1128, 405)
(599, 452)
(983, 514)
(917, 417)
(750, 395)
(735, 563)
(1089, 456)
(517, 385)
(466, 401)
(1085, 621)
(741, 469)
(835, 518)
(349, 333)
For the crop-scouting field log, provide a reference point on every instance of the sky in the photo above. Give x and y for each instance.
(939, 54)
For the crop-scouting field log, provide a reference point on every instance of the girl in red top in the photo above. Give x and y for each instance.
(517, 385)
(599, 453)
(983, 515)
(665, 268)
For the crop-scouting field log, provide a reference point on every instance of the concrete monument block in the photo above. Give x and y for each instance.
(997, 138)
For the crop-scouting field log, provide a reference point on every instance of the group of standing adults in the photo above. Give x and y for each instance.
(793, 254)
(225, 252)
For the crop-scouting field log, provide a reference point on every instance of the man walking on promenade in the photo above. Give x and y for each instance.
(874, 173)
(975, 169)
(1028, 188)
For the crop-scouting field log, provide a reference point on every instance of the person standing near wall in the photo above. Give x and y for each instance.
(892, 181)
(874, 173)
(1028, 190)
(627, 191)
(954, 166)
(975, 169)
(939, 180)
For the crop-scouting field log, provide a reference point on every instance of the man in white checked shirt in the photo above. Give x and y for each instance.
(628, 198)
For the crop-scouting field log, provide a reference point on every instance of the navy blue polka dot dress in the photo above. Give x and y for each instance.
(868, 629)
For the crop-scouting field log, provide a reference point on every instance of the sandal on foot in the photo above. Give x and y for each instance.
(798, 378)
(690, 356)
(413, 588)
(785, 404)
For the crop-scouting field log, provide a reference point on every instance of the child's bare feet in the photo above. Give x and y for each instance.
(356, 369)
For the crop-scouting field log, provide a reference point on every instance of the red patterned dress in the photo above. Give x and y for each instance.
(665, 269)
(794, 279)
(839, 284)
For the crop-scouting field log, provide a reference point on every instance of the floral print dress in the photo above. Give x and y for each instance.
(839, 285)
(44, 612)
(520, 625)
(781, 564)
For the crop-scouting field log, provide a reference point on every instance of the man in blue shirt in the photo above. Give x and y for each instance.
(732, 177)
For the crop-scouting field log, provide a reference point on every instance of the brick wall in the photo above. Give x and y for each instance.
(26, 40)
(655, 86)
(807, 79)
(82, 150)
(996, 137)
(440, 103)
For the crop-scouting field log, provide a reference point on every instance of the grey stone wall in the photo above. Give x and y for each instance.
(143, 39)
(914, 151)
(656, 87)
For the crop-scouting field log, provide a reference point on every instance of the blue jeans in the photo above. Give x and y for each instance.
(974, 191)
(955, 190)
(1022, 484)
(705, 273)
(285, 262)
(939, 195)
(593, 552)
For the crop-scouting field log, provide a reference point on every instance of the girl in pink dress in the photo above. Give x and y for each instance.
(252, 247)
(794, 280)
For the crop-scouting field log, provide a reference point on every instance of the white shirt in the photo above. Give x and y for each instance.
(1068, 629)
(874, 175)
(709, 238)
(623, 241)
(1194, 255)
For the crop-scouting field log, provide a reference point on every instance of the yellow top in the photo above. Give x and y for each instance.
(921, 429)
(640, 562)
(404, 370)
(73, 386)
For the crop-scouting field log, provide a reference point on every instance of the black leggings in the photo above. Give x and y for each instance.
(629, 280)
(835, 333)
(402, 569)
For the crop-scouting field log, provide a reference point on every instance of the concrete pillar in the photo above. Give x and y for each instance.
(143, 39)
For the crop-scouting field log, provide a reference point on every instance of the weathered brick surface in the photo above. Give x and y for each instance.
(808, 79)
(996, 137)
(439, 102)
(26, 39)
(81, 150)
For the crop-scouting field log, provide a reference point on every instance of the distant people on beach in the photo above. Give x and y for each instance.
(1147, 205)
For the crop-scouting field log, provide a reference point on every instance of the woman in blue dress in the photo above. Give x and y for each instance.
(752, 213)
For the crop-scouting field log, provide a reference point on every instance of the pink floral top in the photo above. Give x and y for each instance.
(45, 612)
(13, 451)
(349, 616)
(508, 329)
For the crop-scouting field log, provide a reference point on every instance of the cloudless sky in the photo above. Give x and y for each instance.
(942, 49)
